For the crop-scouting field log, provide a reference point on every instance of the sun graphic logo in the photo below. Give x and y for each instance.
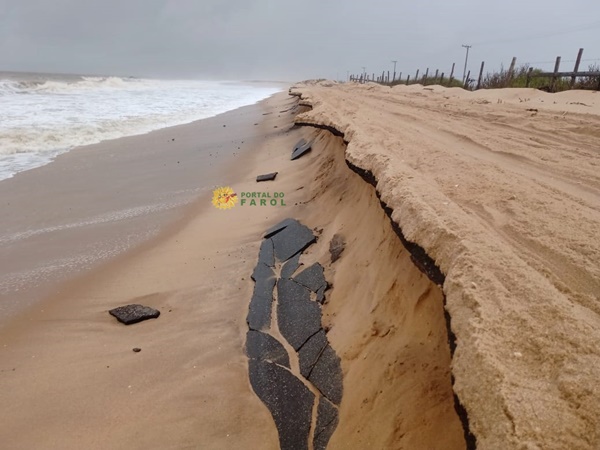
(224, 198)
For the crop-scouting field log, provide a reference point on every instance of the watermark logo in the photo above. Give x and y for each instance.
(224, 198)
(262, 199)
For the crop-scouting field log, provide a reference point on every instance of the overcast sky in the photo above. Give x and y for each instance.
(279, 39)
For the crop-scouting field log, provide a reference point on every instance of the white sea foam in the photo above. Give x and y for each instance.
(41, 117)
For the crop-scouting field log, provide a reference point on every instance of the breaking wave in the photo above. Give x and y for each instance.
(43, 117)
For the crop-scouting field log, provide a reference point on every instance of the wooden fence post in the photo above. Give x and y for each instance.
(555, 76)
(528, 79)
(425, 77)
(442, 79)
(388, 76)
(407, 79)
(511, 70)
(437, 71)
(452, 73)
(417, 76)
(480, 75)
(400, 77)
(467, 79)
(576, 69)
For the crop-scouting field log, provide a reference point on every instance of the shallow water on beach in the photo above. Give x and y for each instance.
(44, 115)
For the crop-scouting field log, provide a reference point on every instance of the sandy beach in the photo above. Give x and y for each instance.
(501, 188)
(68, 366)
(464, 307)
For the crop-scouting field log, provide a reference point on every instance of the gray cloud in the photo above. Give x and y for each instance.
(272, 39)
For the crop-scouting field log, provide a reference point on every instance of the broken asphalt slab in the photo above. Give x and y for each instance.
(285, 391)
(292, 239)
(259, 312)
(266, 348)
(290, 266)
(266, 255)
(327, 420)
(131, 314)
(300, 149)
(266, 177)
(326, 375)
(278, 227)
(287, 398)
(310, 352)
(297, 315)
(312, 278)
(321, 294)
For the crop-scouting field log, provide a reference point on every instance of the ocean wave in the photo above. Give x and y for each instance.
(56, 115)
(8, 87)
(70, 134)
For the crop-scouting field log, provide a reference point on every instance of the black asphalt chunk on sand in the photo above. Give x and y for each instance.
(301, 148)
(266, 255)
(321, 294)
(131, 314)
(327, 375)
(283, 391)
(312, 278)
(262, 272)
(309, 353)
(280, 226)
(327, 420)
(288, 399)
(259, 312)
(266, 348)
(293, 239)
(290, 266)
(298, 317)
(266, 177)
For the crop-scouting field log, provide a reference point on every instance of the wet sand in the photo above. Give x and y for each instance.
(97, 202)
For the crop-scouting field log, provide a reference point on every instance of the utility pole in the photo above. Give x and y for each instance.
(466, 59)
(394, 78)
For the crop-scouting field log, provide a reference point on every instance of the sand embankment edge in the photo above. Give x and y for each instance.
(493, 298)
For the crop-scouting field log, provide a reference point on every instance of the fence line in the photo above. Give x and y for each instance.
(554, 76)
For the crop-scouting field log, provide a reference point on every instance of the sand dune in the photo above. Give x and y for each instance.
(502, 189)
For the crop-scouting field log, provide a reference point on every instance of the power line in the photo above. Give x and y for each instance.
(564, 60)
(589, 26)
